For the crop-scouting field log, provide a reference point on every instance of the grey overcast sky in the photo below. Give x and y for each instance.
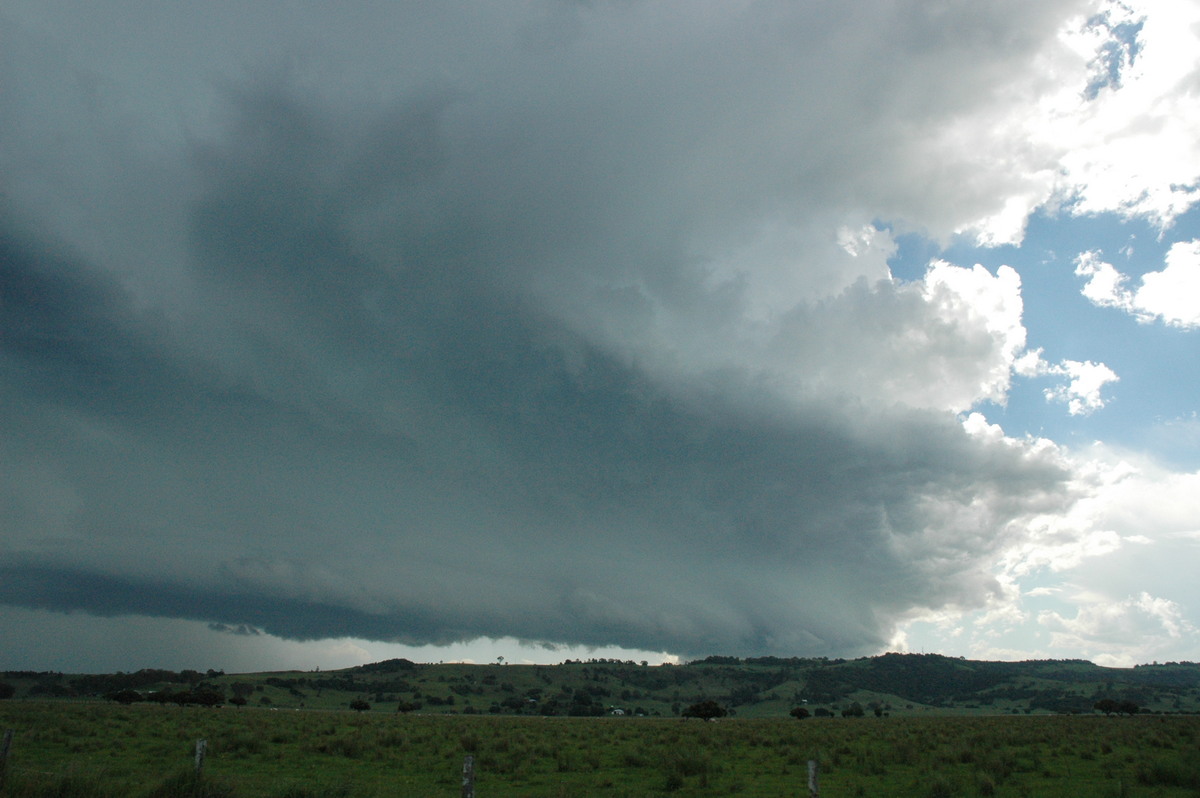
(457, 330)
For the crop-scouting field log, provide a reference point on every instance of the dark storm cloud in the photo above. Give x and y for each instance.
(442, 370)
(65, 591)
(490, 473)
(66, 325)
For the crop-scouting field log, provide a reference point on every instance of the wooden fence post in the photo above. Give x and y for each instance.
(4, 746)
(468, 785)
(813, 790)
(201, 745)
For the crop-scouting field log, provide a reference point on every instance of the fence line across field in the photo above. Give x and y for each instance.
(468, 768)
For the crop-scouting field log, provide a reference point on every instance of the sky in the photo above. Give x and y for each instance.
(542, 329)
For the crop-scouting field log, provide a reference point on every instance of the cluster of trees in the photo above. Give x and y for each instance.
(928, 678)
(57, 685)
(99, 684)
(387, 666)
(1111, 706)
(201, 696)
(855, 710)
(575, 702)
(705, 710)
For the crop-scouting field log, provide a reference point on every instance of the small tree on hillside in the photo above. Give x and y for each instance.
(208, 697)
(799, 713)
(358, 705)
(182, 697)
(243, 689)
(1128, 707)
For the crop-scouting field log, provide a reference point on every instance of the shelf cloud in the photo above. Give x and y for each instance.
(567, 322)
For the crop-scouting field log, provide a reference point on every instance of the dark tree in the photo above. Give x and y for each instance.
(125, 697)
(358, 705)
(1111, 706)
(238, 701)
(208, 697)
(799, 713)
(7, 690)
(706, 710)
(855, 710)
(244, 689)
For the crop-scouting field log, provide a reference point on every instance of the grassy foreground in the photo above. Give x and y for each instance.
(86, 750)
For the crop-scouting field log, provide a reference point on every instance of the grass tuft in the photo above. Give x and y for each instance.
(186, 784)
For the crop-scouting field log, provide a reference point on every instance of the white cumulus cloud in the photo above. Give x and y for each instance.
(1121, 633)
(1082, 393)
(1131, 142)
(1171, 294)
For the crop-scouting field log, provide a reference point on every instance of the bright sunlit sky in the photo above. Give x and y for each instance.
(331, 333)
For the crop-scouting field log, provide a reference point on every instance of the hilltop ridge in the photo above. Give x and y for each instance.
(888, 684)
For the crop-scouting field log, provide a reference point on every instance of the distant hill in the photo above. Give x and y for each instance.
(891, 684)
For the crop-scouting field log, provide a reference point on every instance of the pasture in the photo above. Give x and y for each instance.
(97, 750)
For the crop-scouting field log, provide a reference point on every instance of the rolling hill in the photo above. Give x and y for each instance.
(890, 684)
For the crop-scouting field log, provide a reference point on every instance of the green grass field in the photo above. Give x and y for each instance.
(98, 749)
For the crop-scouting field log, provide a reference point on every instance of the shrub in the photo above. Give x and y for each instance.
(633, 758)
(307, 791)
(1164, 772)
(188, 784)
(940, 788)
(68, 785)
